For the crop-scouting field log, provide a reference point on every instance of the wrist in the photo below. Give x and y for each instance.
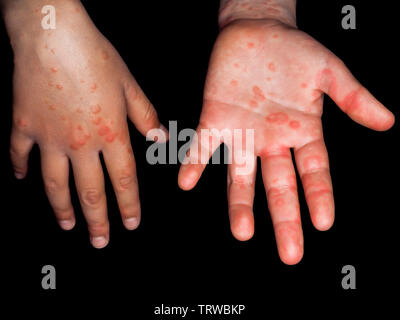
(279, 10)
(23, 18)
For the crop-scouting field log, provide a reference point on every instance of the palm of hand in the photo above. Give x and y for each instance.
(271, 78)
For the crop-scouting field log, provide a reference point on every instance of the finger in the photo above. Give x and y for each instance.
(142, 113)
(20, 146)
(89, 182)
(280, 184)
(55, 169)
(313, 166)
(121, 167)
(355, 100)
(203, 145)
(240, 201)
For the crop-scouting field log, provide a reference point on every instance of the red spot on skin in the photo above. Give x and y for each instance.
(104, 130)
(79, 110)
(277, 118)
(316, 93)
(271, 67)
(280, 202)
(59, 86)
(304, 85)
(54, 70)
(236, 65)
(275, 36)
(351, 102)
(110, 137)
(52, 107)
(76, 10)
(104, 55)
(46, 47)
(268, 78)
(52, 50)
(95, 109)
(234, 83)
(294, 124)
(21, 123)
(82, 81)
(80, 137)
(51, 84)
(253, 104)
(258, 94)
(96, 121)
(93, 88)
(250, 45)
(36, 10)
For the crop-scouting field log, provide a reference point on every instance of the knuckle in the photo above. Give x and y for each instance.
(150, 113)
(91, 197)
(97, 227)
(52, 185)
(15, 152)
(124, 182)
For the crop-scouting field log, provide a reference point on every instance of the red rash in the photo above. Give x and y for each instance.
(104, 130)
(234, 83)
(253, 104)
(59, 86)
(278, 118)
(21, 123)
(351, 101)
(304, 85)
(111, 137)
(275, 36)
(258, 94)
(271, 67)
(250, 45)
(280, 202)
(95, 109)
(96, 121)
(104, 55)
(93, 88)
(294, 124)
(80, 138)
(54, 70)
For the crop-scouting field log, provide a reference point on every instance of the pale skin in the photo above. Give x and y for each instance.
(267, 75)
(72, 96)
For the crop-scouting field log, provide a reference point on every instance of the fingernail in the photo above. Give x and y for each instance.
(19, 175)
(99, 242)
(131, 223)
(66, 224)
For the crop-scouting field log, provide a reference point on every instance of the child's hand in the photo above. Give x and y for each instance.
(268, 76)
(72, 94)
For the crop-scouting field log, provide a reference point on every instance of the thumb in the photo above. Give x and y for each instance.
(355, 100)
(142, 113)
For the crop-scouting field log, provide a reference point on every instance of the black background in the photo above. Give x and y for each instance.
(183, 253)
